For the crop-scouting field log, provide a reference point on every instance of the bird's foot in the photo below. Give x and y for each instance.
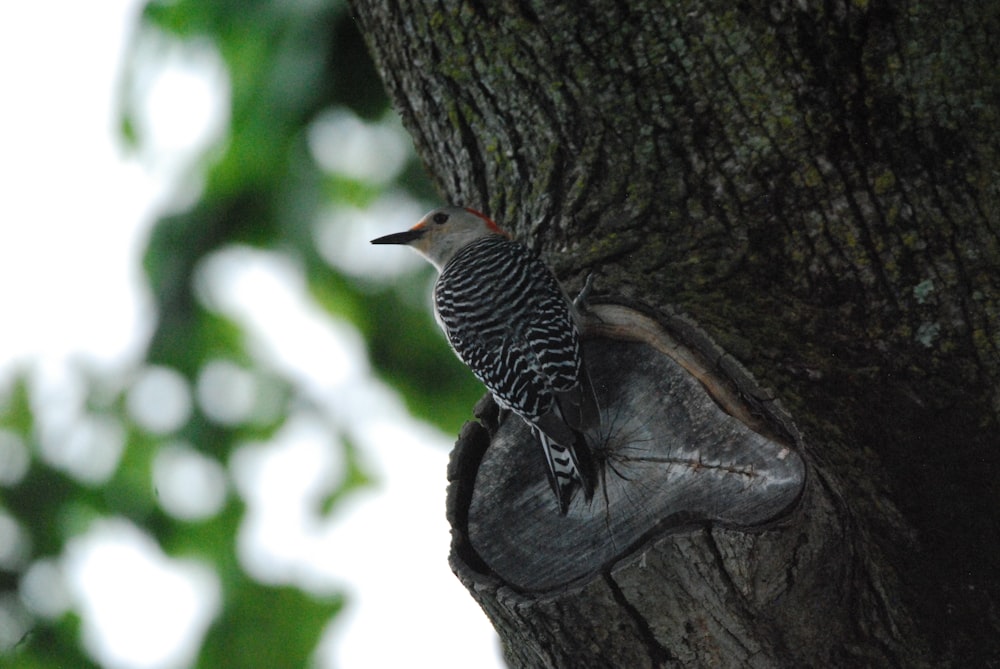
(580, 303)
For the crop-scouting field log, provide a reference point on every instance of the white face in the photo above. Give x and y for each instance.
(446, 230)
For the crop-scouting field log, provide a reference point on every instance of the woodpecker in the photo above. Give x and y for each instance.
(508, 320)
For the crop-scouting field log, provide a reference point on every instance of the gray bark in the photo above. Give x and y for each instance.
(815, 185)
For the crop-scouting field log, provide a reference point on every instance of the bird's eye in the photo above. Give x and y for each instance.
(440, 218)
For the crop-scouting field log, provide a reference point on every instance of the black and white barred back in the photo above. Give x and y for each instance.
(507, 319)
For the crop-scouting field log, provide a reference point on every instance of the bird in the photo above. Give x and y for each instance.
(507, 318)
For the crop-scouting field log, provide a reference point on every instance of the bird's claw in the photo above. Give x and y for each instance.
(580, 303)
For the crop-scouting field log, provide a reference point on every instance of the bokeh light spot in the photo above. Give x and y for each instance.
(140, 609)
(226, 393)
(89, 448)
(14, 458)
(14, 544)
(43, 589)
(190, 485)
(160, 400)
(284, 482)
(344, 144)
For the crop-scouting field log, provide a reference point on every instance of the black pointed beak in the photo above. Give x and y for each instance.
(400, 237)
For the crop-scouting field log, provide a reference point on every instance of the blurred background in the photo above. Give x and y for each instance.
(224, 416)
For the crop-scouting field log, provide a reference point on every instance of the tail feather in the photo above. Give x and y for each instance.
(566, 468)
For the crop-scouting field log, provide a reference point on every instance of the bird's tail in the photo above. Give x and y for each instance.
(568, 466)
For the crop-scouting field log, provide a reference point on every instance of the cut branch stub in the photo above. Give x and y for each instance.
(674, 449)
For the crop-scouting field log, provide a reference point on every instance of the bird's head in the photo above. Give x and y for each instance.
(443, 232)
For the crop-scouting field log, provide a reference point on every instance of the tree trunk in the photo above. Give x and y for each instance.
(814, 185)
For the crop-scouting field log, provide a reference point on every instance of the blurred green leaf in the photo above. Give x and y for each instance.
(15, 405)
(49, 646)
(266, 627)
(355, 477)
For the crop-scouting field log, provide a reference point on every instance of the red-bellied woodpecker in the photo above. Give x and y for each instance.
(506, 317)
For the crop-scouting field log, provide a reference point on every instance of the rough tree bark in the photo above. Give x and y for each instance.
(814, 184)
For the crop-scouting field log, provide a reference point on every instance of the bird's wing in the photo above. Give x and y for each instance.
(558, 359)
(579, 404)
(507, 319)
(496, 355)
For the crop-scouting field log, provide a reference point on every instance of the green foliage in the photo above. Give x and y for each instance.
(286, 62)
(266, 627)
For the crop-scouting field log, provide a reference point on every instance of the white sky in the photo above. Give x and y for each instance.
(74, 212)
